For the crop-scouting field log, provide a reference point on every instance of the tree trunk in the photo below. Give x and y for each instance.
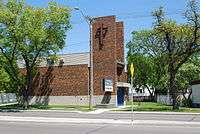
(27, 90)
(24, 99)
(26, 103)
(151, 93)
(173, 89)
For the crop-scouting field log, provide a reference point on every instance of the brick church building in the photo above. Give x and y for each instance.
(67, 81)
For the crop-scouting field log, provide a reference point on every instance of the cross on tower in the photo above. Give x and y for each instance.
(100, 35)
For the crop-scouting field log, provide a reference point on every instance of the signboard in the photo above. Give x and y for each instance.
(108, 85)
(132, 70)
(132, 74)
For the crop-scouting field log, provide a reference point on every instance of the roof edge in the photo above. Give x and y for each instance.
(195, 82)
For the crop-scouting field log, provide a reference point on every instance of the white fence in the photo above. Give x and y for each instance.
(164, 99)
(6, 98)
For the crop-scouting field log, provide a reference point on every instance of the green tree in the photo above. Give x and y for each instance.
(151, 66)
(143, 69)
(148, 61)
(174, 43)
(27, 34)
(181, 41)
(4, 80)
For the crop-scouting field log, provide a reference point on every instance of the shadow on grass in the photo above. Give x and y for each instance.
(60, 107)
(19, 108)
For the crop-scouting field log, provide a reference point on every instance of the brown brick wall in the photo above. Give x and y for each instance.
(120, 41)
(121, 75)
(62, 81)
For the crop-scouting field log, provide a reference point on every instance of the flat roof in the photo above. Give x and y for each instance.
(195, 82)
(68, 59)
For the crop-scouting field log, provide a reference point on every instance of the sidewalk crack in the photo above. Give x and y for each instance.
(95, 130)
(193, 118)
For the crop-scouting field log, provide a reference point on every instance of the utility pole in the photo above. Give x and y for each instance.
(89, 21)
(91, 68)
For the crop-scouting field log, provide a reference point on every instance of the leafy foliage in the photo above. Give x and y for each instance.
(28, 34)
(170, 45)
(148, 61)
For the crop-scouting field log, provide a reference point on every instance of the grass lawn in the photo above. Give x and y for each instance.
(62, 107)
(83, 108)
(151, 106)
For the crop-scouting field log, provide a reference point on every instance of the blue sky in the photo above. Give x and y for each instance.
(136, 15)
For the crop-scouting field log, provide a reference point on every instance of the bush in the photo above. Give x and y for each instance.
(187, 102)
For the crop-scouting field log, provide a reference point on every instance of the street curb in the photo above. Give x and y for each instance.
(61, 111)
(162, 113)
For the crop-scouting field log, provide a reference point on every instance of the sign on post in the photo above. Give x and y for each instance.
(132, 70)
(132, 75)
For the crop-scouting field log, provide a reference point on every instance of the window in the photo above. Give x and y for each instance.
(50, 62)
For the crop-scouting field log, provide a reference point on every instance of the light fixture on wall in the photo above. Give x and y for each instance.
(61, 62)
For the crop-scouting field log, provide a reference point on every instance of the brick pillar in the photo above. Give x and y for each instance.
(104, 52)
(120, 41)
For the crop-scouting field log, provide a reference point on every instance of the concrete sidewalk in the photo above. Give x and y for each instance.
(94, 121)
(99, 111)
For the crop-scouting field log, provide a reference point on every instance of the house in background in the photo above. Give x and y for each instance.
(141, 94)
(195, 93)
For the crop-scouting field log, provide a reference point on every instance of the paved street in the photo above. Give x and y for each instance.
(104, 123)
(60, 128)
